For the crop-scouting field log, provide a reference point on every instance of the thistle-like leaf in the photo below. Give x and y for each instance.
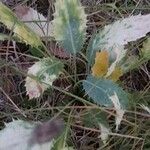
(70, 25)
(22, 135)
(34, 20)
(41, 76)
(101, 89)
(8, 18)
(16, 133)
(118, 34)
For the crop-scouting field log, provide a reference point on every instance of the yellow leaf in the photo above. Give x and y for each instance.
(116, 74)
(101, 65)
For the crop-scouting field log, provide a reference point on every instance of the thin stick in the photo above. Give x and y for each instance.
(12, 102)
(111, 133)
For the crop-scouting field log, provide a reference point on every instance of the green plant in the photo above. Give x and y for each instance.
(105, 54)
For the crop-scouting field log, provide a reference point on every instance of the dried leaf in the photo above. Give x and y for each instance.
(22, 135)
(104, 133)
(58, 51)
(145, 108)
(116, 74)
(34, 20)
(8, 18)
(100, 67)
(35, 88)
(44, 73)
(120, 53)
(126, 30)
(119, 34)
(119, 110)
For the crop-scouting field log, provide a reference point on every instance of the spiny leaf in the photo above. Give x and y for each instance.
(22, 135)
(100, 67)
(16, 135)
(70, 25)
(119, 34)
(8, 18)
(44, 73)
(34, 20)
(101, 89)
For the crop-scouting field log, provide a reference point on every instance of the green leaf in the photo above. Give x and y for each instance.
(93, 47)
(33, 50)
(70, 25)
(37, 52)
(22, 32)
(100, 91)
(97, 116)
(4, 37)
(99, 120)
(61, 141)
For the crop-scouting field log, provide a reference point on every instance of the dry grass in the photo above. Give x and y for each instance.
(134, 133)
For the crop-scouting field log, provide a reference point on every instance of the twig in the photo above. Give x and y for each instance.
(12, 102)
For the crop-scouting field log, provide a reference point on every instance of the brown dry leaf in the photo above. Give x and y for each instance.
(34, 20)
(116, 74)
(21, 11)
(58, 51)
(101, 65)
